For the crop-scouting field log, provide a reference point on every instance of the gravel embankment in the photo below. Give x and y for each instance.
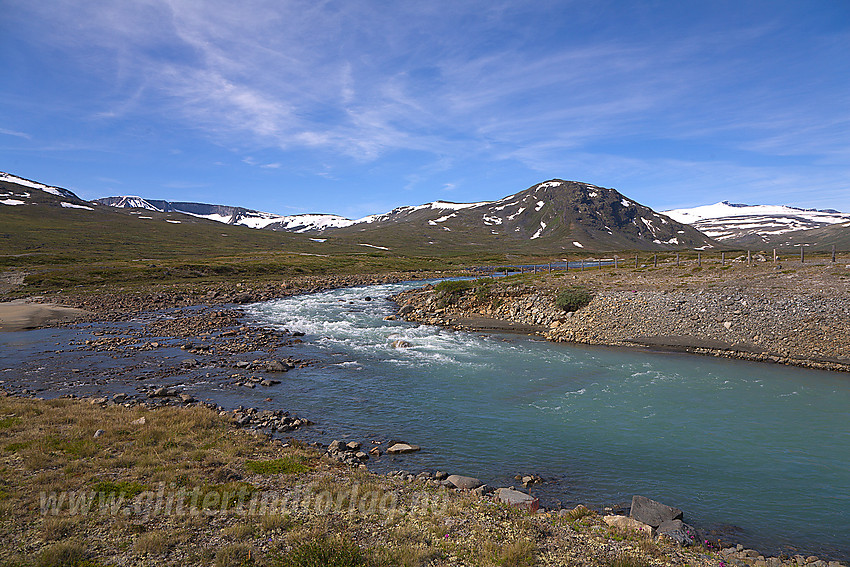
(795, 316)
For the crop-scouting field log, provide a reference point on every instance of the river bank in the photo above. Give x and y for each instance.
(794, 316)
(113, 484)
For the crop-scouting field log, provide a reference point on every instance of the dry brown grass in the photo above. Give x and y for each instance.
(153, 543)
(49, 446)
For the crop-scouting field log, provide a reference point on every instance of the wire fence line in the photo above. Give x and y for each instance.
(668, 259)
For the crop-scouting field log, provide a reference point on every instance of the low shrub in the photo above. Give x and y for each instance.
(65, 554)
(325, 553)
(235, 555)
(624, 559)
(573, 298)
(579, 512)
(285, 465)
(454, 286)
(124, 489)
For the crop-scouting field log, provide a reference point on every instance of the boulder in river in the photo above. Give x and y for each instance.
(399, 447)
(653, 513)
(276, 366)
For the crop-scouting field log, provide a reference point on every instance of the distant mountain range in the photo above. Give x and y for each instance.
(555, 216)
(760, 225)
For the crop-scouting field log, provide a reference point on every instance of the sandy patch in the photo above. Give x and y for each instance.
(19, 315)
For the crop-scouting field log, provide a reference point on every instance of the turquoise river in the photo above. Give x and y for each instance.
(759, 452)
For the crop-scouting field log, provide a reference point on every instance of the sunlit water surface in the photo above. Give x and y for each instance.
(762, 447)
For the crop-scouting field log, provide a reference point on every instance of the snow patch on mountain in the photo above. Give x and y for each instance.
(539, 231)
(73, 206)
(134, 202)
(549, 184)
(302, 223)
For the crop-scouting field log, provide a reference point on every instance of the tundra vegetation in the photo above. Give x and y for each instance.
(92, 485)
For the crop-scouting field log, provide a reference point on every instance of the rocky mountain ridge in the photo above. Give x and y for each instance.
(555, 214)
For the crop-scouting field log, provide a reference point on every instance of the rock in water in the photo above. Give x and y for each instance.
(402, 448)
(653, 513)
(464, 482)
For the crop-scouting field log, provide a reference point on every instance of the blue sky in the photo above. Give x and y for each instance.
(355, 108)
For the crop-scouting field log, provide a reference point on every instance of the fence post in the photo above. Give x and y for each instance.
(833, 252)
(699, 259)
(749, 259)
(615, 261)
(582, 264)
(802, 255)
(655, 261)
(636, 262)
(723, 258)
(774, 255)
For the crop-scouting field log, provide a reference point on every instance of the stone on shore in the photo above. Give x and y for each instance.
(678, 531)
(626, 523)
(464, 482)
(397, 448)
(517, 499)
(651, 512)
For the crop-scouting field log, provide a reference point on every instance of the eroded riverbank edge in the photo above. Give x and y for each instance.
(757, 313)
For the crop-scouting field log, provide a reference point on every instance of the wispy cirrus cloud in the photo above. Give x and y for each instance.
(15, 133)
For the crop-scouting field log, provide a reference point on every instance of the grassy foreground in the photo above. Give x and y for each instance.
(184, 486)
